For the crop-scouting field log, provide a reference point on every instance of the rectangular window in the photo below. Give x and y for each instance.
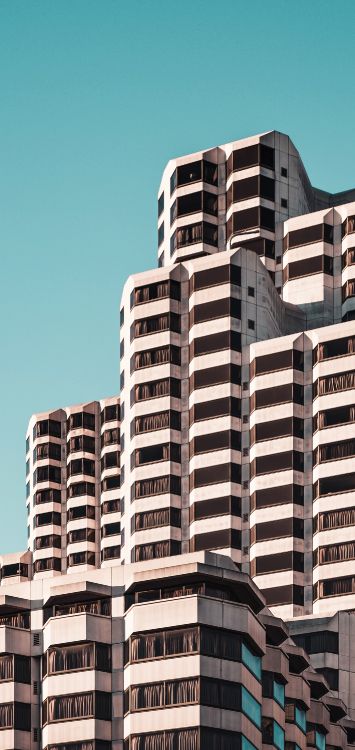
(250, 707)
(214, 441)
(155, 357)
(224, 538)
(251, 660)
(308, 235)
(215, 474)
(218, 408)
(215, 376)
(227, 307)
(215, 342)
(226, 274)
(217, 506)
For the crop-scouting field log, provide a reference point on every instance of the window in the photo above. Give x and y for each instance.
(332, 349)
(348, 226)
(83, 443)
(251, 218)
(195, 171)
(160, 204)
(277, 428)
(251, 156)
(46, 450)
(155, 550)
(228, 306)
(251, 187)
(110, 460)
(157, 421)
(159, 290)
(81, 535)
(95, 607)
(217, 408)
(226, 274)
(157, 486)
(341, 381)
(250, 707)
(110, 529)
(307, 235)
(280, 394)
(155, 324)
(152, 519)
(111, 506)
(110, 437)
(76, 657)
(283, 172)
(81, 466)
(217, 506)
(47, 427)
(279, 692)
(154, 453)
(334, 519)
(208, 475)
(308, 267)
(215, 342)
(47, 563)
(156, 389)
(251, 325)
(152, 357)
(111, 553)
(332, 417)
(77, 489)
(47, 473)
(322, 641)
(221, 539)
(277, 562)
(15, 667)
(214, 441)
(251, 291)
(194, 203)
(81, 558)
(284, 203)
(80, 705)
(251, 660)
(275, 462)
(81, 511)
(192, 234)
(214, 376)
(287, 493)
(43, 519)
(291, 358)
(83, 420)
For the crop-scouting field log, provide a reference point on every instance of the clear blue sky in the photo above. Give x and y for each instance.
(96, 96)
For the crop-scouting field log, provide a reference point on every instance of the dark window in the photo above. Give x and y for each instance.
(153, 453)
(214, 376)
(215, 342)
(225, 274)
(82, 511)
(323, 641)
(158, 421)
(284, 203)
(348, 226)
(81, 535)
(284, 595)
(217, 408)
(155, 550)
(283, 527)
(48, 563)
(81, 558)
(217, 309)
(291, 358)
(332, 417)
(47, 474)
(335, 348)
(215, 441)
(154, 518)
(110, 460)
(251, 218)
(193, 234)
(111, 506)
(159, 290)
(81, 466)
(251, 156)
(156, 389)
(215, 475)
(155, 324)
(81, 443)
(111, 483)
(281, 461)
(157, 486)
(47, 496)
(277, 428)
(287, 493)
(152, 357)
(111, 553)
(308, 266)
(307, 235)
(283, 172)
(276, 562)
(47, 427)
(160, 204)
(280, 394)
(44, 519)
(79, 705)
(216, 540)
(217, 506)
(77, 489)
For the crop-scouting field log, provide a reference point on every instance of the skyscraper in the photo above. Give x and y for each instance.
(233, 434)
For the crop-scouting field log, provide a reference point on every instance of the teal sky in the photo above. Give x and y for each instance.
(95, 97)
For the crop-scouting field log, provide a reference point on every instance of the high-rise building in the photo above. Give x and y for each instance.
(172, 527)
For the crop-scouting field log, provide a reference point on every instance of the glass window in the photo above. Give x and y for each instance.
(300, 719)
(246, 744)
(279, 693)
(251, 707)
(252, 661)
(279, 736)
(320, 740)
